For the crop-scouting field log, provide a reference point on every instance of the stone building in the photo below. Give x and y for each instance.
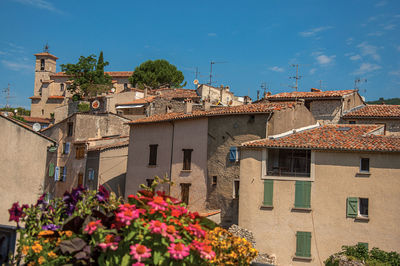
(198, 150)
(220, 96)
(23, 157)
(327, 106)
(387, 115)
(306, 194)
(50, 88)
(75, 136)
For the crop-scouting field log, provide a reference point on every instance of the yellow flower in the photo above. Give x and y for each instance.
(25, 250)
(31, 263)
(37, 248)
(46, 233)
(41, 260)
(68, 233)
(51, 254)
(58, 241)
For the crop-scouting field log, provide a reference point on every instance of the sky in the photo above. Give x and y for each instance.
(252, 42)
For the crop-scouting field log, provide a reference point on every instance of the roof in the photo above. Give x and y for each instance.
(35, 97)
(334, 137)
(56, 97)
(19, 123)
(375, 111)
(110, 146)
(31, 119)
(177, 93)
(46, 54)
(139, 101)
(114, 74)
(310, 94)
(234, 110)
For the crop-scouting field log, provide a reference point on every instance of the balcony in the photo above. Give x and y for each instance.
(289, 163)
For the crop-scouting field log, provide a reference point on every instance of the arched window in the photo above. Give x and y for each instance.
(41, 64)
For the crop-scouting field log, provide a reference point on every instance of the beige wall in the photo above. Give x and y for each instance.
(336, 179)
(22, 166)
(392, 126)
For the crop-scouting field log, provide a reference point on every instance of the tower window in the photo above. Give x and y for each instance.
(41, 64)
(62, 87)
(125, 86)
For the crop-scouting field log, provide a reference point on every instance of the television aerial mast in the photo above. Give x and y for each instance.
(297, 77)
(211, 65)
(7, 97)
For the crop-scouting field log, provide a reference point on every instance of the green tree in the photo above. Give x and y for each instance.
(157, 74)
(88, 76)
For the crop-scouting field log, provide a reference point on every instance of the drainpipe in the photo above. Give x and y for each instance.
(172, 153)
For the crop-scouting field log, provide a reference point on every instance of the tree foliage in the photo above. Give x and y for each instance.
(395, 101)
(88, 76)
(157, 74)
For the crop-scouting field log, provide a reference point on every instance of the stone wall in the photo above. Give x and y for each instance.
(326, 111)
(392, 126)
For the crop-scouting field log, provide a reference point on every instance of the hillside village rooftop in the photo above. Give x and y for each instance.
(375, 111)
(334, 137)
(310, 94)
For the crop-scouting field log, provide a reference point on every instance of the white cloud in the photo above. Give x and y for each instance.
(349, 40)
(324, 59)
(389, 27)
(355, 57)
(381, 3)
(212, 34)
(42, 4)
(277, 69)
(17, 66)
(369, 50)
(312, 71)
(395, 72)
(376, 33)
(366, 68)
(314, 31)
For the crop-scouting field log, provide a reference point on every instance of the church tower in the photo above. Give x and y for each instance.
(44, 67)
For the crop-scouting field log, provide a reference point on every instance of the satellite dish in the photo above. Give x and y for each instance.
(195, 82)
(36, 127)
(95, 104)
(113, 90)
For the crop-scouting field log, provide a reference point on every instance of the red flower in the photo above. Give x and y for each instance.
(16, 212)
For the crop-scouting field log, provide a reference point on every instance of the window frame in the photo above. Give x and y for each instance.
(303, 244)
(236, 192)
(70, 129)
(80, 152)
(363, 215)
(361, 165)
(302, 198)
(153, 148)
(187, 159)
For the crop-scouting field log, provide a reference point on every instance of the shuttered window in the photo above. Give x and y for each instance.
(80, 179)
(303, 244)
(302, 194)
(185, 192)
(153, 154)
(57, 174)
(233, 154)
(66, 147)
(352, 207)
(187, 159)
(51, 169)
(63, 171)
(91, 174)
(80, 152)
(268, 192)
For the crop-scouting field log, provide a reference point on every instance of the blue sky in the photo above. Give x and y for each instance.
(333, 41)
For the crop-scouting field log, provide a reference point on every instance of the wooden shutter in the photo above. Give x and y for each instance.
(57, 174)
(51, 169)
(67, 144)
(233, 154)
(352, 207)
(185, 193)
(268, 192)
(303, 244)
(80, 179)
(64, 175)
(153, 155)
(303, 194)
(187, 158)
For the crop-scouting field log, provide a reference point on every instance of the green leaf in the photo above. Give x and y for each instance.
(125, 260)
(157, 258)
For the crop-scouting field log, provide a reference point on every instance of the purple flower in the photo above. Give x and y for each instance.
(51, 227)
(16, 212)
(103, 194)
(41, 199)
(70, 199)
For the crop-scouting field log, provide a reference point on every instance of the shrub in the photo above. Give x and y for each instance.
(83, 107)
(89, 227)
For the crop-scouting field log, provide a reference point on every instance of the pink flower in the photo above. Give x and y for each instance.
(110, 242)
(178, 251)
(171, 233)
(127, 213)
(138, 264)
(92, 226)
(207, 253)
(158, 203)
(196, 230)
(158, 227)
(140, 252)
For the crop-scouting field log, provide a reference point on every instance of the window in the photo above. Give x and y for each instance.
(63, 174)
(187, 159)
(153, 154)
(80, 179)
(66, 147)
(57, 174)
(302, 194)
(303, 244)
(357, 207)
(70, 129)
(42, 64)
(149, 182)
(51, 169)
(352, 122)
(125, 86)
(185, 192)
(236, 185)
(42, 109)
(62, 87)
(364, 165)
(233, 154)
(80, 152)
(268, 192)
(214, 180)
(91, 174)
(289, 162)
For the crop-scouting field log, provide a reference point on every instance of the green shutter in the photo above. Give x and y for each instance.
(51, 169)
(302, 194)
(268, 192)
(303, 244)
(352, 207)
(363, 244)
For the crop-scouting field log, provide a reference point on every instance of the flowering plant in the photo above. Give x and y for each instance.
(150, 228)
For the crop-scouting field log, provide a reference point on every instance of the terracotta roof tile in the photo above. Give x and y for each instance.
(333, 137)
(309, 94)
(375, 111)
(108, 146)
(46, 54)
(31, 119)
(56, 97)
(177, 93)
(241, 109)
(35, 97)
(114, 74)
(139, 101)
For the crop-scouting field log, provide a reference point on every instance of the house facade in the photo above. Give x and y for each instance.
(327, 106)
(197, 150)
(311, 192)
(220, 96)
(382, 114)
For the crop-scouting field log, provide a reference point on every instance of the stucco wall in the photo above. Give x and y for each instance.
(392, 125)
(336, 179)
(22, 166)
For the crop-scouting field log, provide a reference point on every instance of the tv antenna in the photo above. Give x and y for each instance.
(211, 64)
(46, 48)
(321, 84)
(297, 77)
(7, 97)
(264, 88)
(358, 81)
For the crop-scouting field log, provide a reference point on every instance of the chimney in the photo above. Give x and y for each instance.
(188, 106)
(315, 90)
(206, 105)
(145, 93)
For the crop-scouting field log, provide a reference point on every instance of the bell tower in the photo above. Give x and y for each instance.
(44, 67)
